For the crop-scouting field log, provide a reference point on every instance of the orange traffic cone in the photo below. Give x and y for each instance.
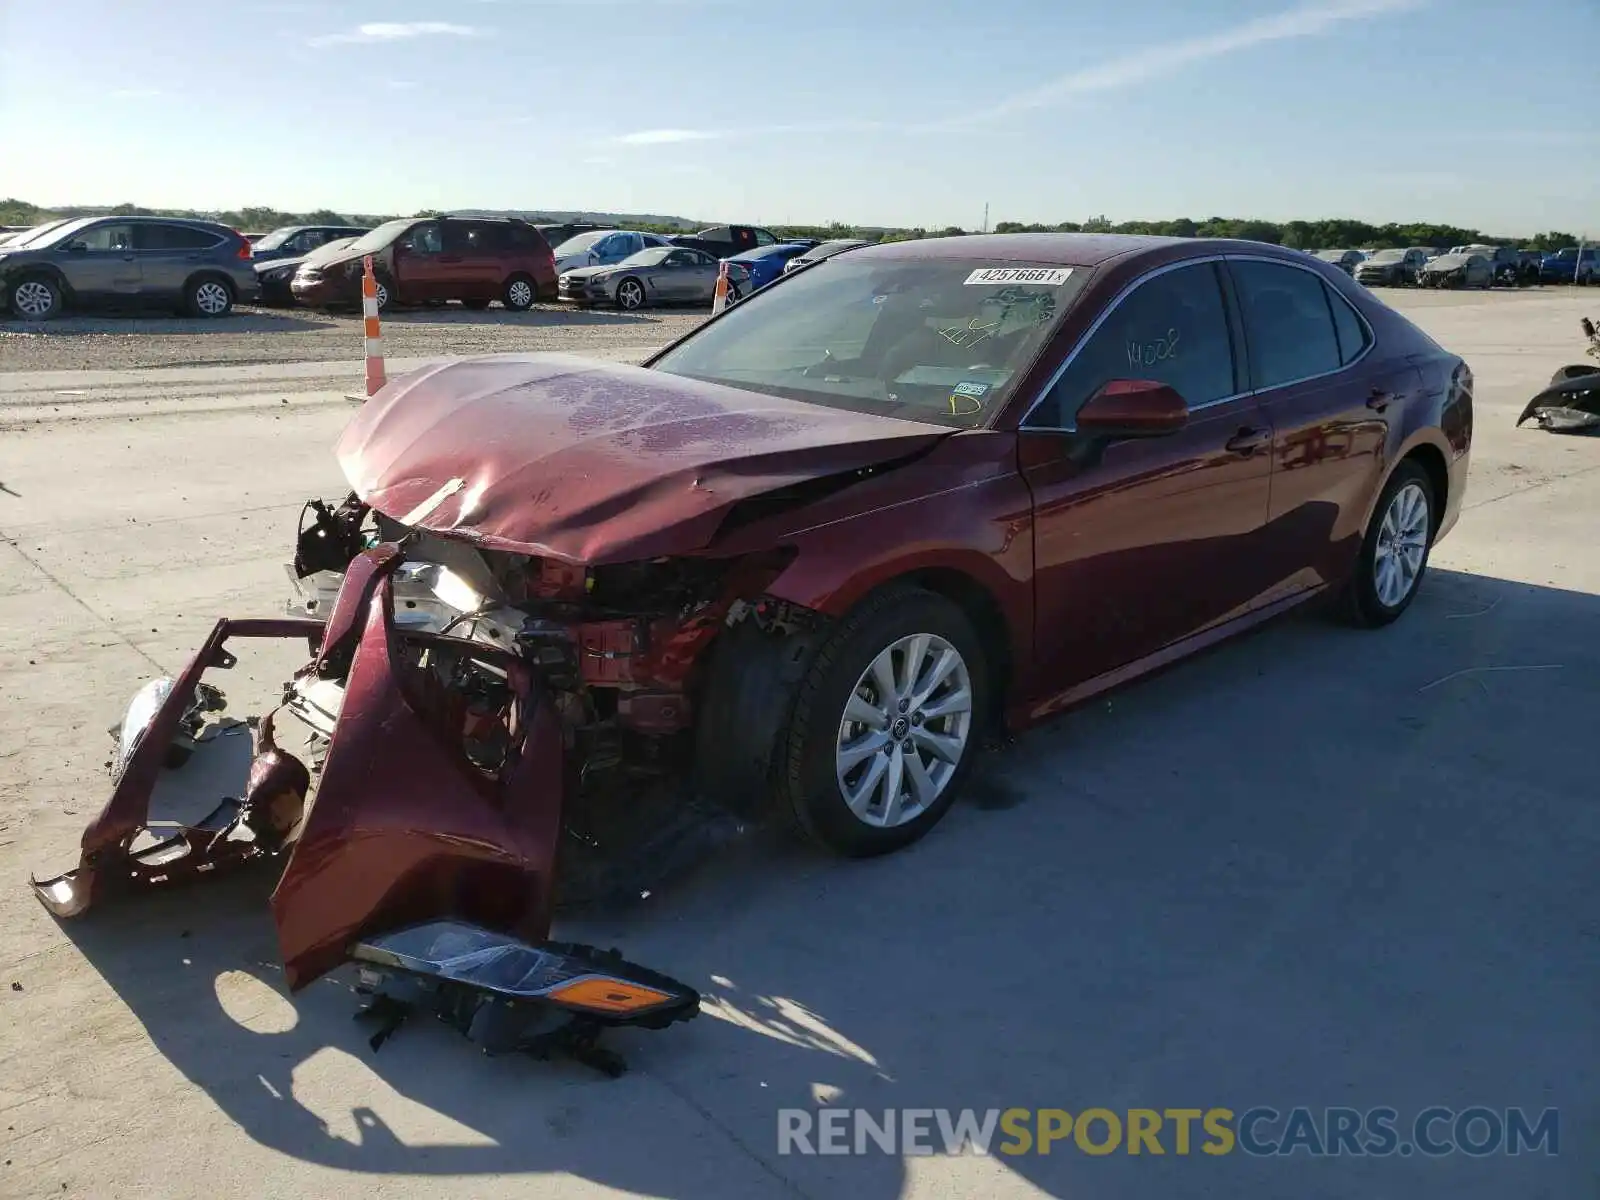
(369, 313)
(719, 300)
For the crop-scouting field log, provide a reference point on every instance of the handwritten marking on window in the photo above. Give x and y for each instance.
(1148, 354)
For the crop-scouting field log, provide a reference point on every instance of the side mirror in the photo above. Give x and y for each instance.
(1133, 408)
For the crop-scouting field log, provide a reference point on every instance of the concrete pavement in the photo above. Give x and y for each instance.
(1314, 867)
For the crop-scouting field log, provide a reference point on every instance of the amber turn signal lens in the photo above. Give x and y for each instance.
(607, 995)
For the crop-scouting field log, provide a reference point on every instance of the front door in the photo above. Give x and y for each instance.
(101, 263)
(1331, 394)
(419, 273)
(1141, 542)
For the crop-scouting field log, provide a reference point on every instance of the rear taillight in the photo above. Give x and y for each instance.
(245, 249)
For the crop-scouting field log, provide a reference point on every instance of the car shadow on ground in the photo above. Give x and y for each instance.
(1312, 866)
(242, 320)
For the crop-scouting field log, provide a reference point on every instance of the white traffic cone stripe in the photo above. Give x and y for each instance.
(719, 300)
(374, 338)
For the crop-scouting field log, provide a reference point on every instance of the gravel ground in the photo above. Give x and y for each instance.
(267, 335)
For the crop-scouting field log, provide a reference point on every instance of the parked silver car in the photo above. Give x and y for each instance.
(659, 275)
(200, 267)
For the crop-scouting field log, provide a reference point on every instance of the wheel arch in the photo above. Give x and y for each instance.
(29, 270)
(220, 276)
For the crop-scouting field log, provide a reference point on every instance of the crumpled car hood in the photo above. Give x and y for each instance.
(558, 456)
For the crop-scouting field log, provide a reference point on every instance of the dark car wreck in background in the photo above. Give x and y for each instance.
(799, 566)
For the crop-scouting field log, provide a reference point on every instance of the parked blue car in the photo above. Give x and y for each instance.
(1566, 266)
(765, 263)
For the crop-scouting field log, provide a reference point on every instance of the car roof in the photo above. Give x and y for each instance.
(1058, 249)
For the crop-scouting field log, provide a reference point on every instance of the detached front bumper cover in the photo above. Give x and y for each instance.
(406, 857)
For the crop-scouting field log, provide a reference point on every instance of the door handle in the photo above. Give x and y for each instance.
(1248, 440)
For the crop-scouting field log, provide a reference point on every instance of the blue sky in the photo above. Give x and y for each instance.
(1482, 113)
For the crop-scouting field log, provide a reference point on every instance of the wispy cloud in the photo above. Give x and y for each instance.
(402, 85)
(390, 31)
(1152, 62)
(139, 93)
(663, 137)
(1166, 58)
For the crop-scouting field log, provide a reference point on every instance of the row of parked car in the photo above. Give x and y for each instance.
(204, 268)
(1465, 266)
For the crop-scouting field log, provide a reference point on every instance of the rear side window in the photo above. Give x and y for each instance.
(1351, 330)
(525, 239)
(765, 238)
(1172, 329)
(1287, 323)
(174, 237)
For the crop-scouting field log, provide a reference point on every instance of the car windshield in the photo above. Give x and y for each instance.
(276, 238)
(941, 340)
(579, 244)
(54, 232)
(1383, 256)
(376, 239)
(1332, 255)
(647, 258)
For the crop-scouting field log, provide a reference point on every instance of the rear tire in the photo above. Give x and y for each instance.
(520, 293)
(1394, 553)
(208, 297)
(824, 750)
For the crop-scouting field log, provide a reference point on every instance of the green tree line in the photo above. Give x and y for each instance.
(1341, 233)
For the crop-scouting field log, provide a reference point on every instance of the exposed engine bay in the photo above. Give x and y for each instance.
(619, 649)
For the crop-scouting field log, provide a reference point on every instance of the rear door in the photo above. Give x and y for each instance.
(1330, 392)
(101, 263)
(169, 255)
(485, 246)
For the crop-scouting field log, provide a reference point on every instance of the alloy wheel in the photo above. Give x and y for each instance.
(904, 731)
(211, 298)
(33, 298)
(1402, 545)
(520, 294)
(630, 295)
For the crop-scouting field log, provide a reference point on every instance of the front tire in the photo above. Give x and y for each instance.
(630, 295)
(1394, 553)
(886, 725)
(37, 298)
(208, 297)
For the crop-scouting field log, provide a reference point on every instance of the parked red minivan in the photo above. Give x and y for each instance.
(475, 260)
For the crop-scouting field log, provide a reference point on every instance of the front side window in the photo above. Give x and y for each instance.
(942, 340)
(427, 238)
(765, 238)
(1287, 323)
(106, 238)
(1171, 329)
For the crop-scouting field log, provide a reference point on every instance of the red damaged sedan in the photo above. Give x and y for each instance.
(800, 565)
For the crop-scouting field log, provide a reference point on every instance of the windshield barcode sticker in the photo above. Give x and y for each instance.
(1049, 276)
